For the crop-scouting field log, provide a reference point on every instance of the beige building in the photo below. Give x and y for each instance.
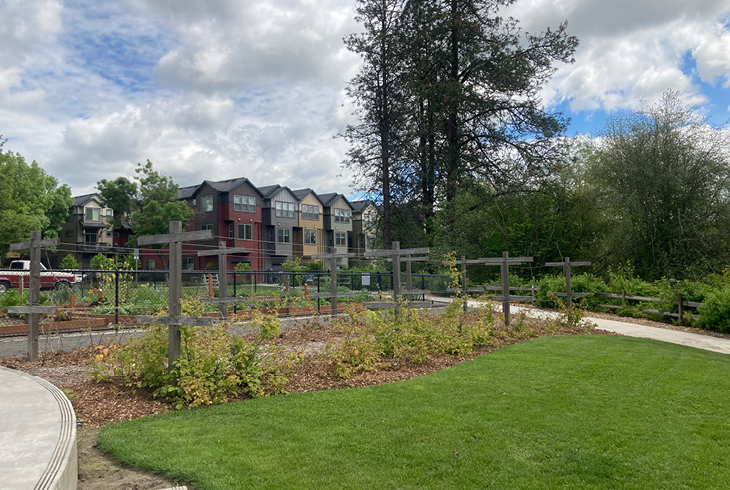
(309, 237)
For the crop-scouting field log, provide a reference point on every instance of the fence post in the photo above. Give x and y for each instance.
(423, 286)
(680, 310)
(532, 290)
(116, 297)
(464, 290)
(235, 305)
(623, 298)
(319, 276)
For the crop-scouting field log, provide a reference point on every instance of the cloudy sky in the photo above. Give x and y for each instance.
(219, 89)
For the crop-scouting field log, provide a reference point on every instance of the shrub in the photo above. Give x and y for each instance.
(714, 314)
(213, 365)
(69, 262)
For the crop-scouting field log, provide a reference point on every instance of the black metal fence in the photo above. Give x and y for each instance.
(143, 292)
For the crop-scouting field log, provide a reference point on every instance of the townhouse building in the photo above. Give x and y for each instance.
(85, 234)
(280, 216)
(232, 210)
(310, 239)
(337, 224)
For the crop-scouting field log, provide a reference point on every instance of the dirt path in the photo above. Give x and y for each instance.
(97, 471)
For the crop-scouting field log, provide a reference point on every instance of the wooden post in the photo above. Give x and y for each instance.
(680, 310)
(174, 319)
(566, 264)
(464, 289)
(504, 269)
(222, 253)
(33, 309)
(504, 263)
(623, 298)
(332, 295)
(398, 255)
(72, 302)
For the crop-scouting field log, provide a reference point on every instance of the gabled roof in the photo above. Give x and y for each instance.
(359, 206)
(187, 192)
(269, 190)
(219, 185)
(81, 200)
(230, 184)
(302, 193)
(331, 198)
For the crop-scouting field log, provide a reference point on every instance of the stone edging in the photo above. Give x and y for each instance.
(62, 470)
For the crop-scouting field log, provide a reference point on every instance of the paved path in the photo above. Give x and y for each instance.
(698, 341)
(37, 434)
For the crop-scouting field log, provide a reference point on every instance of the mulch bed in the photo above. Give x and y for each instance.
(98, 404)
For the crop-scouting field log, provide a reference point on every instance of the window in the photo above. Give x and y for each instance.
(116, 234)
(284, 209)
(230, 230)
(340, 239)
(371, 242)
(149, 264)
(188, 263)
(247, 204)
(90, 239)
(283, 236)
(310, 212)
(69, 233)
(209, 226)
(194, 202)
(310, 237)
(206, 204)
(245, 232)
(92, 214)
(369, 219)
(108, 234)
(342, 215)
(108, 212)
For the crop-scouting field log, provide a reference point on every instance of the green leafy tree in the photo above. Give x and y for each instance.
(120, 195)
(152, 201)
(69, 262)
(665, 177)
(30, 200)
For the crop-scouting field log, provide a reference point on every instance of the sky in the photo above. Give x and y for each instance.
(220, 89)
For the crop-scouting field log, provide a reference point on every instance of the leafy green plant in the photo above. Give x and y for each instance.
(213, 365)
(69, 262)
(714, 314)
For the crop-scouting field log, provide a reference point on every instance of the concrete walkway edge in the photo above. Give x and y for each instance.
(38, 434)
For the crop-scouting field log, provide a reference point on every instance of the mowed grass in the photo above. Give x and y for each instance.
(578, 412)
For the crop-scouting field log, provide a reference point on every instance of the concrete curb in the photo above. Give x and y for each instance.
(47, 430)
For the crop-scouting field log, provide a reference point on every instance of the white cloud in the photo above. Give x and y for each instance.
(225, 88)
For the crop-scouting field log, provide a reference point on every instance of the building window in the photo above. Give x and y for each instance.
(284, 209)
(92, 214)
(369, 219)
(342, 215)
(116, 234)
(209, 226)
(245, 232)
(206, 204)
(90, 239)
(69, 233)
(108, 212)
(340, 239)
(108, 234)
(283, 236)
(194, 202)
(310, 237)
(230, 230)
(188, 263)
(246, 204)
(149, 264)
(310, 212)
(370, 242)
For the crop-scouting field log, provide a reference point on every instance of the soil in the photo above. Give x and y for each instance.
(97, 404)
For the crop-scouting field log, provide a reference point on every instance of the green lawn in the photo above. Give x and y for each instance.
(556, 412)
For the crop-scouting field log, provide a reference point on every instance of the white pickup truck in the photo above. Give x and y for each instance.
(20, 271)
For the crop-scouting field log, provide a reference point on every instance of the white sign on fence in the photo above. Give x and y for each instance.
(366, 279)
